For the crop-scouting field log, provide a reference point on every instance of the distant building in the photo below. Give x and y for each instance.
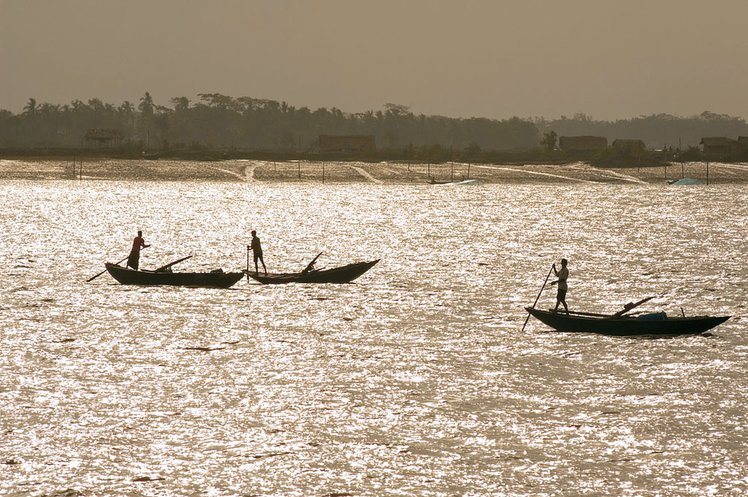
(102, 136)
(631, 145)
(582, 143)
(346, 143)
(721, 147)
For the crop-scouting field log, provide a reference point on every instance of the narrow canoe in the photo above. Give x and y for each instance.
(342, 274)
(649, 324)
(217, 279)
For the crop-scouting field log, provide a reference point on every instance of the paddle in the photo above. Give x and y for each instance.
(104, 271)
(310, 266)
(167, 266)
(538, 297)
(631, 305)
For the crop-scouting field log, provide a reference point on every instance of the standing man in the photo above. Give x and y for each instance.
(563, 275)
(133, 260)
(257, 252)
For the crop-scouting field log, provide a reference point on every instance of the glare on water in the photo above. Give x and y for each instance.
(414, 380)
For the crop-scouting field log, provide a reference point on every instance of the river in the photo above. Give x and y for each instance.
(417, 379)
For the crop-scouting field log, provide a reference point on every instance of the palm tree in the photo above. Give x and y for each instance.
(30, 108)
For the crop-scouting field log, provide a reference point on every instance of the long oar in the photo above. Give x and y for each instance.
(538, 297)
(167, 266)
(310, 266)
(631, 305)
(104, 271)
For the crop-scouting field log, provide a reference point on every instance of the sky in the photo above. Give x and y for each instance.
(463, 58)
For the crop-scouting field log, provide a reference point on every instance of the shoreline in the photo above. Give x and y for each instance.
(394, 172)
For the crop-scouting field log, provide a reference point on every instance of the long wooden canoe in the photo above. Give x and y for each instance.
(342, 274)
(214, 279)
(654, 324)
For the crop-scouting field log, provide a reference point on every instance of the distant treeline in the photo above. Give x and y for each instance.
(219, 121)
(223, 123)
(658, 131)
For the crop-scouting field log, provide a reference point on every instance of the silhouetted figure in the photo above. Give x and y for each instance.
(257, 252)
(562, 275)
(133, 260)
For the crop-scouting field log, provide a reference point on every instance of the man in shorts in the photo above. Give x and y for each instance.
(562, 275)
(257, 252)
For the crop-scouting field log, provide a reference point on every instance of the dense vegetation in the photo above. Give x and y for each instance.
(219, 121)
(221, 125)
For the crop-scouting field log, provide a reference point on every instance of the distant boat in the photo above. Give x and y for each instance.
(433, 181)
(653, 324)
(151, 156)
(685, 181)
(213, 279)
(342, 274)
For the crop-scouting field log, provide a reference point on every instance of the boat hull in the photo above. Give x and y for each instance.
(128, 276)
(343, 274)
(626, 325)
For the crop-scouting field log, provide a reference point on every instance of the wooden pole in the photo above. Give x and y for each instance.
(323, 173)
(707, 172)
(538, 297)
(104, 271)
(247, 271)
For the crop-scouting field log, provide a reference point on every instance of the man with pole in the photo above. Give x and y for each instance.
(133, 260)
(256, 249)
(562, 275)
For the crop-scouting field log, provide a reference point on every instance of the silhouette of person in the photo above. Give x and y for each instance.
(133, 260)
(257, 252)
(562, 275)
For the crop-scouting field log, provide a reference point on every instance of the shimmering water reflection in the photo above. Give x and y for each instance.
(416, 380)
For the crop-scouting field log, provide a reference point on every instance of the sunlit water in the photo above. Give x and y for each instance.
(415, 380)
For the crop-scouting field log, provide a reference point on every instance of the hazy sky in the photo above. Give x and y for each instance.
(461, 58)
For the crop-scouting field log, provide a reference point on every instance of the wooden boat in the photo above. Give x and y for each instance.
(342, 274)
(434, 181)
(653, 324)
(162, 276)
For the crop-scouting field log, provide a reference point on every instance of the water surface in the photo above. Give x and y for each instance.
(415, 380)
